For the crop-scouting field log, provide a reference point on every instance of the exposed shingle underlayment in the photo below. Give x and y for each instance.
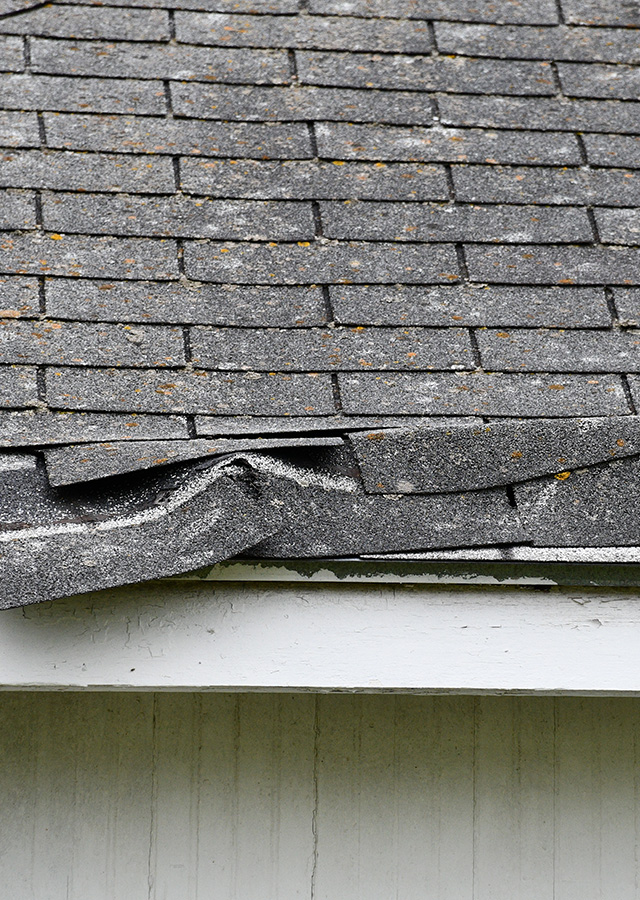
(315, 278)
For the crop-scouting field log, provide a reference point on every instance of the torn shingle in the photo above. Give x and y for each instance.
(87, 462)
(454, 457)
(26, 428)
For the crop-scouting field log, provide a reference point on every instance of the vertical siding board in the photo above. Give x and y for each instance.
(18, 768)
(174, 849)
(514, 798)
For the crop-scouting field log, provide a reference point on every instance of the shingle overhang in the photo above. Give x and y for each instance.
(316, 279)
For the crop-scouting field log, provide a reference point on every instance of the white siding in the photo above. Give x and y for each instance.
(320, 797)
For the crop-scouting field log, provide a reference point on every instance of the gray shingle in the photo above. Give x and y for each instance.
(115, 390)
(560, 351)
(75, 256)
(178, 216)
(428, 73)
(17, 209)
(18, 129)
(340, 141)
(231, 6)
(77, 343)
(148, 301)
(455, 457)
(86, 462)
(477, 394)
(81, 94)
(313, 180)
(19, 296)
(627, 302)
(291, 104)
(320, 262)
(67, 21)
(596, 507)
(181, 62)
(361, 220)
(18, 386)
(634, 384)
(554, 265)
(619, 226)
(386, 35)
(45, 427)
(613, 150)
(126, 134)
(543, 113)
(592, 80)
(543, 13)
(601, 12)
(534, 184)
(238, 425)
(524, 42)
(8, 7)
(321, 349)
(65, 170)
(474, 305)
(341, 523)
(11, 54)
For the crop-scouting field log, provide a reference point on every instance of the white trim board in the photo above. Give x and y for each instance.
(255, 636)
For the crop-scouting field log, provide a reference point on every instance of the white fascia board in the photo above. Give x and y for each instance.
(257, 636)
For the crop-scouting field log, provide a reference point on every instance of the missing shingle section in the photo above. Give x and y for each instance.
(472, 457)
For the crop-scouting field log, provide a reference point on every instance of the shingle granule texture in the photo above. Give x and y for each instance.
(396, 240)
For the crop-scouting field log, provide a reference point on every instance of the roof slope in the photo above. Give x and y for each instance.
(383, 251)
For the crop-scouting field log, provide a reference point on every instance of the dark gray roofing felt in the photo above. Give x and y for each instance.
(315, 278)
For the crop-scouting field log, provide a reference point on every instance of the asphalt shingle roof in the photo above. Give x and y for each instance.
(306, 278)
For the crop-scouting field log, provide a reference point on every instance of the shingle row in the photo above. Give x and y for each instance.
(62, 20)
(187, 303)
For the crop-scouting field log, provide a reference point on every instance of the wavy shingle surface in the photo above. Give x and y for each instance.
(383, 251)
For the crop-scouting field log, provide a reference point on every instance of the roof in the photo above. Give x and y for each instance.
(328, 278)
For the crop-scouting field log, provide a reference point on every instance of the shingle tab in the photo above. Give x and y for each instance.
(634, 384)
(313, 180)
(411, 222)
(613, 150)
(543, 113)
(554, 265)
(318, 349)
(18, 129)
(282, 7)
(178, 216)
(601, 12)
(109, 60)
(261, 425)
(46, 427)
(320, 262)
(17, 209)
(125, 134)
(595, 507)
(619, 226)
(11, 54)
(78, 343)
(560, 351)
(477, 394)
(475, 305)
(386, 142)
(189, 392)
(533, 184)
(523, 42)
(18, 386)
(75, 256)
(592, 80)
(386, 35)
(67, 21)
(455, 457)
(427, 73)
(543, 13)
(19, 296)
(627, 302)
(65, 170)
(299, 104)
(148, 301)
(81, 94)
